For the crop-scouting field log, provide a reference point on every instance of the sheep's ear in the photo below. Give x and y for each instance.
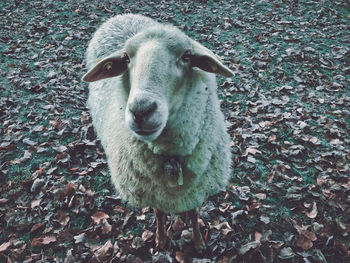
(206, 60)
(111, 66)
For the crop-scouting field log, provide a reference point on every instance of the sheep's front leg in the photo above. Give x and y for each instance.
(197, 239)
(161, 237)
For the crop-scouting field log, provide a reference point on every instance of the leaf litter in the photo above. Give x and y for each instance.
(287, 109)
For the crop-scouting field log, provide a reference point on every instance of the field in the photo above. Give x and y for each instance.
(287, 108)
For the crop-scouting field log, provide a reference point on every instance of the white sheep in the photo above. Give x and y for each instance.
(155, 109)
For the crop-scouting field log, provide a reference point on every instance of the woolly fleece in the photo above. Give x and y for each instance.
(195, 133)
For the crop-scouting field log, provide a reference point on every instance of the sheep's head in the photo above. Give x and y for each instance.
(157, 63)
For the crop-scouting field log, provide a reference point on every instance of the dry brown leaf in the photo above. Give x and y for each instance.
(180, 256)
(257, 236)
(304, 243)
(98, 217)
(251, 150)
(79, 238)
(103, 253)
(253, 206)
(178, 224)
(62, 218)
(249, 246)
(314, 140)
(221, 225)
(147, 235)
(5, 246)
(225, 231)
(320, 181)
(3, 201)
(119, 209)
(270, 177)
(302, 124)
(36, 227)
(201, 222)
(313, 212)
(260, 196)
(35, 203)
(272, 138)
(106, 227)
(286, 253)
(264, 124)
(43, 240)
(305, 239)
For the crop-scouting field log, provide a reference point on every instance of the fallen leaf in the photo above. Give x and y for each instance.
(29, 142)
(36, 227)
(252, 206)
(260, 196)
(178, 224)
(62, 218)
(236, 214)
(3, 200)
(225, 231)
(257, 236)
(302, 124)
(98, 217)
(251, 159)
(119, 209)
(265, 219)
(272, 138)
(103, 253)
(5, 246)
(249, 246)
(305, 239)
(106, 227)
(35, 203)
(315, 140)
(79, 238)
(251, 150)
(286, 253)
(43, 240)
(313, 212)
(147, 235)
(180, 256)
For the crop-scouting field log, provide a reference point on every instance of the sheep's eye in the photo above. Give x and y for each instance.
(126, 58)
(186, 57)
(108, 65)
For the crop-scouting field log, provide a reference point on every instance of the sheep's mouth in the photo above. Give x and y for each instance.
(145, 133)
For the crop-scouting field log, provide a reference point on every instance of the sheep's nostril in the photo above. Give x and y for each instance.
(143, 110)
(138, 117)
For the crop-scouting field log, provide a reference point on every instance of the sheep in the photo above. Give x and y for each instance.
(153, 102)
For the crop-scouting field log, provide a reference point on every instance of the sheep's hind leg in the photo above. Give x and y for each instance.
(197, 239)
(161, 236)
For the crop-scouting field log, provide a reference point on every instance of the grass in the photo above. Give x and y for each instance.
(39, 37)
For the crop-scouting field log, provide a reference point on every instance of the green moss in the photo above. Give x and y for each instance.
(24, 237)
(80, 222)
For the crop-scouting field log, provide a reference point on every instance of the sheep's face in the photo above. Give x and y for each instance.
(159, 62)
(157, 71)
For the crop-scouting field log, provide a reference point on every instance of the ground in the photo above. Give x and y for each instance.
(287, 108)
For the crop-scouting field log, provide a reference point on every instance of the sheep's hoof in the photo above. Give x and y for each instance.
(173, 169)
(199, 245)
(161, 242)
